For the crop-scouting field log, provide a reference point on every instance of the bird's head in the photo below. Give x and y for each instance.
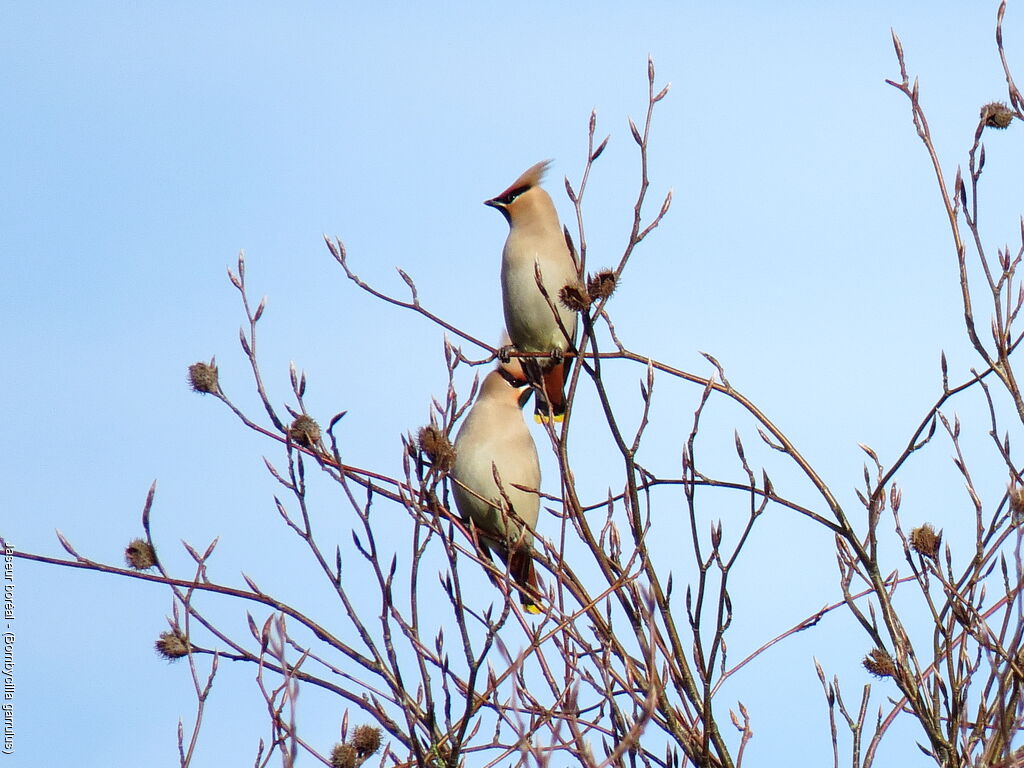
(524, 199)
(508, 382)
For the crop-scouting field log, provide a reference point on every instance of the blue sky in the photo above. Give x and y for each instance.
(144, 145)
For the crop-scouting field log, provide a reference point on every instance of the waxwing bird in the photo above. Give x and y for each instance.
(537, 324)
(494, 445)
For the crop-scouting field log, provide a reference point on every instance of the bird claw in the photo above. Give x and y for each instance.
(557, 356)
(505, 353)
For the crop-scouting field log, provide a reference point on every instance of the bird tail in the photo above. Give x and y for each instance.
(520, 566)
(550, 403)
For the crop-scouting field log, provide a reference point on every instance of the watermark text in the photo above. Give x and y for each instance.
(7, 653)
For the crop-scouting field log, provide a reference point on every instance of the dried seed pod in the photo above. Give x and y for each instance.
(434, 443)
(343, 756)
(574, 297)
(366, 740)
(925, 541)
(304, 431)
(202, 377)
(602, 284)
(996, 115)
(140, 555)
(880, 664)
(1016, 494)
(171, 645)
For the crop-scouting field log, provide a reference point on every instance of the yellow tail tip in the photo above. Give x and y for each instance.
(531, 608)
(543, 418)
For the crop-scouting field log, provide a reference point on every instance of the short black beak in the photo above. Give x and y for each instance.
(524, 398)
(501, 207)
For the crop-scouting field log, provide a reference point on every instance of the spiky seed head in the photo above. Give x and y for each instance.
(1016, 494)
(602, 284)
(996, 115)
(171, 645)
(343, 756)
(140, 555)
(880, 664)
(202, 377)
(304, 431)
(434, 443)
(574, 297)
(925, 541)
(366, 740)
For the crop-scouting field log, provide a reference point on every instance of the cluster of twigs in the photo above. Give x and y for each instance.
(622, 667)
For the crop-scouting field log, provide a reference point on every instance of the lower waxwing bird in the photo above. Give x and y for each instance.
(494, 446)
(537, 324)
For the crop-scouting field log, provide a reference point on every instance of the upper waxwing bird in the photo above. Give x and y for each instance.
(536, 243)
(495, 453)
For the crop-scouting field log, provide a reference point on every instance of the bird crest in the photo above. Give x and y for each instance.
(529, 179)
